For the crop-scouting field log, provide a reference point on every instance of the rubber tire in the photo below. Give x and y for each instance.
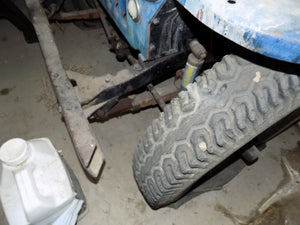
(223, 110)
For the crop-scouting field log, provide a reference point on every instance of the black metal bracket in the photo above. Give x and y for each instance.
(150, 71)
(138, 78)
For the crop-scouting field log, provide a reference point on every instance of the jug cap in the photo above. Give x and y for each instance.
(14, 152)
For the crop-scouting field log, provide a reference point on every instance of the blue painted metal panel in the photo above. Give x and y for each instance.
(137, 34)
(269, 27)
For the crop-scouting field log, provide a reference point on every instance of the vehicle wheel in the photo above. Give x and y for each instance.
(223, 110)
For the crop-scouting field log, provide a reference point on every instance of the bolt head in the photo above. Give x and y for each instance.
(107, 79)
(133, 10)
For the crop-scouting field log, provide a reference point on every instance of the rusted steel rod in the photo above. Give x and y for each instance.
(87, 147)
(76, 15)
(161, 103)
(118, 45)
(107, 29)
(134, 103)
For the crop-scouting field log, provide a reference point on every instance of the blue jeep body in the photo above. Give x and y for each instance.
(271, 28)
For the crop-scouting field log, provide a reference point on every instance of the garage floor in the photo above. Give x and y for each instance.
(28, 110)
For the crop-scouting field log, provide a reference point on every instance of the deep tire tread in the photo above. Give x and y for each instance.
(223, 110)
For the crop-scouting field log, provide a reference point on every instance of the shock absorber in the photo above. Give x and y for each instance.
(194, 63)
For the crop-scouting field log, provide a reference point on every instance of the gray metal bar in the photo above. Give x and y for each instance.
(87, 148)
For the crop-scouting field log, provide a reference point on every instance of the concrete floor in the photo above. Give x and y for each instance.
(28, 110)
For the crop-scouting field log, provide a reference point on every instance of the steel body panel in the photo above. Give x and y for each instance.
(271, 28)
(136, 33)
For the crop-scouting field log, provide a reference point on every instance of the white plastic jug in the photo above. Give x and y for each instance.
(34, 185)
